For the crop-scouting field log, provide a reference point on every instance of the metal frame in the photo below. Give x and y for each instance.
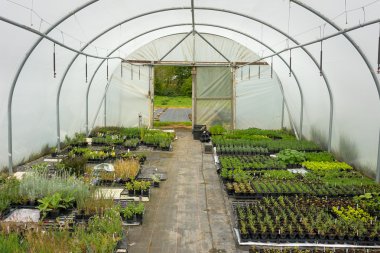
(304, 49)
(211, 45)
(222, 27)
(48, 31)
(77, 10)
(114, 50)
(202, 24)
(17, 75)
(175, 46)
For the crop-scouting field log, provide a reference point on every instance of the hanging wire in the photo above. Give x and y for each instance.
(139, 72)
(107, 69)
(259, 70)
(289, 18)
(364, 15)
(54, 65)
(131, 72)
(290, 63)
(121, 69)
(249, 72)
(345, 11)
(31, 14)
(86, 69)
(321, 60)
(271, 67)
(241, 73)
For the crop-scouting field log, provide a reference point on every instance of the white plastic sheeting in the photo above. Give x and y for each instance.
(259, 99)
(356, 98)
(128, 96)
(213, 96)
(184, 52)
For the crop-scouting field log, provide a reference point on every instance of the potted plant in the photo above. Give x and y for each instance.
(156, 180)
(139, 211)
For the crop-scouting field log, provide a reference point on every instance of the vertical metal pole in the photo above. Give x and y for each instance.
(194, 95)
(282, 112)
(378, 162)
(105, 109)
(10, 148)
(151, 96)
(233, 101)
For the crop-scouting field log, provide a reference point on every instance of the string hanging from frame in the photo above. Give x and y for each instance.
(290, 63)
(86, 69)
(107, 69)
(54, 65)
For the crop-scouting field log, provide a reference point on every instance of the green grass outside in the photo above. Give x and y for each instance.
(172, 102)
(169, 123)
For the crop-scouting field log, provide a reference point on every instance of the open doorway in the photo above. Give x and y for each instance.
(172, 96)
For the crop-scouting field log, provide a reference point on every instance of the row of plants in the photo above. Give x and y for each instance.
(244, 133)
(259, 189)
(133, 212)
(122, 132)
(157, 138)
(324, 249)
(129, 138)
(101, 234)
(295, 219)
(284, 159)
(273, 146)
(138, 188)
(258, 162)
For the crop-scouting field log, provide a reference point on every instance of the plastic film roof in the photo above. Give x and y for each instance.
(349, 62)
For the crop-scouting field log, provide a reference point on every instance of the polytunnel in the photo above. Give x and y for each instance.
(303, 71)
(334, 87)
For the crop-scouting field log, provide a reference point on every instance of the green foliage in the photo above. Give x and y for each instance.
(217, 130)
(37, 186)
(172, 81)
(12, 243)
(131, 143)
(352, 214)
(292, 157)
(54, 202)
(369, 201)
(171, 123)
(315, 166)
(172, 102)
(132, 209)
(9, 193)
(74, 165)
(79, 139)
(40, 167)
(319, 157)
(280, 175)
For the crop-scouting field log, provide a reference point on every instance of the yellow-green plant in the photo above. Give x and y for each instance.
(326, 165)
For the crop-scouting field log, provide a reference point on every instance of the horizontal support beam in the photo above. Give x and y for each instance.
(188, 63)
(215, 98)
(319, 40)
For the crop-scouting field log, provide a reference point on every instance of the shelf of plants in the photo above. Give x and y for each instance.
(294, 191)
(74, 214)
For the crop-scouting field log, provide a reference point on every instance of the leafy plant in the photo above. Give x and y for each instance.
(292, 157)
(217, 130)
(315, 166)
